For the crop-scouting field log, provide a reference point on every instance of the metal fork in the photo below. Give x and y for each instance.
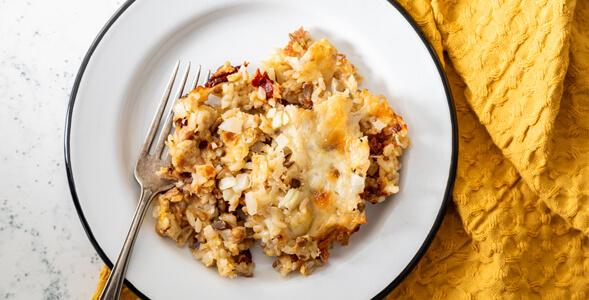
(151, 184)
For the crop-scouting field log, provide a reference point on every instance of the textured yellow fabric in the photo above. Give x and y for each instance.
(126, 294)
(518, 224)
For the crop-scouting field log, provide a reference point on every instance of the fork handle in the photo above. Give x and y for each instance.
(114, 284)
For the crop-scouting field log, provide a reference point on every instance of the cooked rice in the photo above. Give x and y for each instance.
(287, 156)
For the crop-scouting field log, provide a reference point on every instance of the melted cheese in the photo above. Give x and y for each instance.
(328, 148)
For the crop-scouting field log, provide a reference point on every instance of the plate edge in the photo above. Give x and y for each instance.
(67, 135)
(441, 213)
(453, 160)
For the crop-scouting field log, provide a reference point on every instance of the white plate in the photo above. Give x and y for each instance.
(122, 78)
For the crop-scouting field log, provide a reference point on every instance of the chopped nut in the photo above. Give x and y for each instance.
(219, 225)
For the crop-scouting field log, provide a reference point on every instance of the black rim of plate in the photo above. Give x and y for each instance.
(410, 265)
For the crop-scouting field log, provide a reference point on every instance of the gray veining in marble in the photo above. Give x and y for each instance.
(44, 252)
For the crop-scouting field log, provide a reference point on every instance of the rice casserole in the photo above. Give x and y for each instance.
(287, 156)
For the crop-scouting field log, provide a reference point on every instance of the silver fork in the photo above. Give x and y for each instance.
(151, 184)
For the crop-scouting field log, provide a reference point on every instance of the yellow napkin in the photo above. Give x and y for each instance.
(518, 224)
(126, 294)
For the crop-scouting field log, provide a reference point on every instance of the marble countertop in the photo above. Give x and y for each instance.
(44, 251)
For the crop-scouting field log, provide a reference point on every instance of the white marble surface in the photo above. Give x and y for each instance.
(44, 252)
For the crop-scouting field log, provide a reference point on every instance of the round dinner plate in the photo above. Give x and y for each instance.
(121, 80)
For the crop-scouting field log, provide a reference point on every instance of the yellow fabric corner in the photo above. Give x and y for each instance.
(126, 294)
(518, 224)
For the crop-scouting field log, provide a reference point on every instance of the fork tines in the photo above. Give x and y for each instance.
(160, 144)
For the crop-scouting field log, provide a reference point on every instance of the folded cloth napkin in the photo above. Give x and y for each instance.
(518, 224)
(126, 293)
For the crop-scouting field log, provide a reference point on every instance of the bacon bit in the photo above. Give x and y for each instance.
(397, 128)
(221, 77)
(390, 130)
(295, 183)
(295, 37)
(376, 145)
(260, 78)
(245, 256)
(288, 164)
(372, 190)
(186, 175)
(264, 81)
(181, 122)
